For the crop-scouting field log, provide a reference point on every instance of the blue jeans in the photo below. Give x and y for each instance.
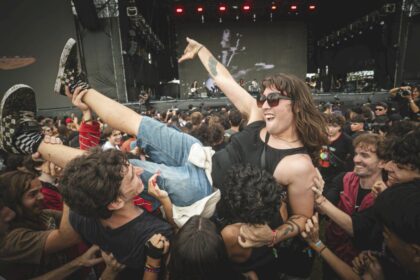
(168, 150)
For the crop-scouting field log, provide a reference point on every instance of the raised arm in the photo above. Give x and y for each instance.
(62, 238)
(88, 259)
(324, 206)
(163, 197)
(311, 236)
(239, 97)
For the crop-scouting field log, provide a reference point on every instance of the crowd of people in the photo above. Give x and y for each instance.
(256, 191)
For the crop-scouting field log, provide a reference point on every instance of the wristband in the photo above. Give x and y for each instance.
(319, 243)
(152, 251)
(199, 49)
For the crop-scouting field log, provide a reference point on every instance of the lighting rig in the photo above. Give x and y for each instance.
(358, 27)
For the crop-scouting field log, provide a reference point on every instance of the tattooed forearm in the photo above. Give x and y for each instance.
(212, 66)
(288, 230)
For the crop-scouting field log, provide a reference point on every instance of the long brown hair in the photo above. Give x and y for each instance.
(310, 124)
(14, 185)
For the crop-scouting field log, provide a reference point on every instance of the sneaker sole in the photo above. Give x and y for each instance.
(12, 90)
(61, 67)
(24, 101)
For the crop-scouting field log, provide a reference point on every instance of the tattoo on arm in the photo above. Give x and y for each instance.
(212, 66)
(288, 230)
(295, 224)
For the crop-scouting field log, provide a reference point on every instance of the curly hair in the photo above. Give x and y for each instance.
(250, 195)
(198, 252)
(334, 119)
(310, 124)
(92, 181)
(395, 132)
(403, 150)
(398, 208)
(368, 140)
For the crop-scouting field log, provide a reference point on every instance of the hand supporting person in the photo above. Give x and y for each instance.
(324, 206)
(156, 249)
(161, 195)
(318, 189)
(88, 259)
(311, 236)
(367, 265)
(113, 267)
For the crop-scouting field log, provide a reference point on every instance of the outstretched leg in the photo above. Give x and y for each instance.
(20, 133)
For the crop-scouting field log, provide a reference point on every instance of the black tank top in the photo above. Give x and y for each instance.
(247, 147)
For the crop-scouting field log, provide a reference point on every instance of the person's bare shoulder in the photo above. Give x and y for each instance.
(294, 167)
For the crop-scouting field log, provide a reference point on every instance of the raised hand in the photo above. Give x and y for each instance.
(367, 264)
(77, 98)
(318, 188)
(153, 188)
(90, 258)
(311, 232)
(191, 50)
(378, 187)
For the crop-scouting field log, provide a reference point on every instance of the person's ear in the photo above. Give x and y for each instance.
(116, 205)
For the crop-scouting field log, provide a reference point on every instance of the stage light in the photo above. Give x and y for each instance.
(293, 8)
(273, 7)
(222, 8)
(312, 7)
(200, 9)
(246, 8)
(179, 10)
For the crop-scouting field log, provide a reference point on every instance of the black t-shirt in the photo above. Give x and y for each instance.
(126, 242)
(340, 154)
(361, 195)
(367, 232)
(392, 270)
(246, 147)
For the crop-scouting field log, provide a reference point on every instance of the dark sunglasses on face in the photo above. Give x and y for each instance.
(273, 99)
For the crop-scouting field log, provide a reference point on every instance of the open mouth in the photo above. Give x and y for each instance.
(269, 117)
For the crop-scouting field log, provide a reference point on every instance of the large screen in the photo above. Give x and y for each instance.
(250, 51)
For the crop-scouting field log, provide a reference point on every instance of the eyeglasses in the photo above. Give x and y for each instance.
(379, 109)
(273, 99)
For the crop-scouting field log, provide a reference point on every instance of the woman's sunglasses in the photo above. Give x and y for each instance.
(272, 99)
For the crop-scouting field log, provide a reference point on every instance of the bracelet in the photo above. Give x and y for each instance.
(151, 269)
(411, 101)
(199, 49)
(320, 252)
(274, 238)
(151, 266)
